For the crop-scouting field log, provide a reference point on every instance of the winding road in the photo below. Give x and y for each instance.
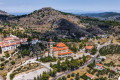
(89, 62)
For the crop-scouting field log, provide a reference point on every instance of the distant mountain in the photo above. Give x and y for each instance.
(18, 14)
(5, 16)
(113, 16)
(3, 13)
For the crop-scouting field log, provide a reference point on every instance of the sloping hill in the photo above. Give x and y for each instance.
(49, 22)
(113, 16)
(3, 13)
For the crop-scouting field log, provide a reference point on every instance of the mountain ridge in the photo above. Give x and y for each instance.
(113, 16)
(53, 23)
(3, 13)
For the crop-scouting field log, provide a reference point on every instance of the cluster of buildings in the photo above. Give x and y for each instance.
(115, 69)
(59, 51)
(11, 43)
(99, 66)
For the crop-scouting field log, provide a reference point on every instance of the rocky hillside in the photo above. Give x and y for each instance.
(4, 16)
(53, 23)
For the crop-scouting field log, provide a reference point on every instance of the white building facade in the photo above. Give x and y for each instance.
(11, 43)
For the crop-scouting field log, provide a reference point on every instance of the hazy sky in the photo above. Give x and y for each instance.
(16, 6)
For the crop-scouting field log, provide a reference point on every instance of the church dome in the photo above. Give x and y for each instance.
(61, 44)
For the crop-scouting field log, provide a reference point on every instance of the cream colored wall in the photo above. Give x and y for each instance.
(56, 54)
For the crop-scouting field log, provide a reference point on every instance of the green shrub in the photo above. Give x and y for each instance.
(1, 68)
(7, 54)
(12, 76)
(2, 59)
(110, 49)
(68, 76)
(2, 64)
(72, 74)
(12, 62)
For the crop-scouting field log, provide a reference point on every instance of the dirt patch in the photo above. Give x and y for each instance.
(115, 58)
(116, 41)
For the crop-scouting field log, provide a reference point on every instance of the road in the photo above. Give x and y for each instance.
(89, 62)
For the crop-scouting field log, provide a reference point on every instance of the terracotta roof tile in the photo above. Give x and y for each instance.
(89, 75)
(11, 44)
(117, 67)
(8, 38)
(98, 64)
(56, 49)
(11, 52)
(18, 42)
(3, 46)
(89, 47)
(61, 44)
(50, 40)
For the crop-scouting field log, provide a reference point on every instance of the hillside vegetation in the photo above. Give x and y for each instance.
(48, 22)
(110, 49)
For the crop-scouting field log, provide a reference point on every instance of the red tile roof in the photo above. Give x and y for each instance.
(60, 49)
(99, 64)
(7, 45)
(89, 47)
(2, 45)
(8, 38)
(11, 52)
(50, 40)
(61, 44)
(117, 67)
(89, 75)
(11, 44)
(18, 42)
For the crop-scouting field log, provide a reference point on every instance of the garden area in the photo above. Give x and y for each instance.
(47, 59)
(70, 64)
(26, 68)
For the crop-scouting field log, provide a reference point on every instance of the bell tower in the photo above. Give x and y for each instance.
(50, 47)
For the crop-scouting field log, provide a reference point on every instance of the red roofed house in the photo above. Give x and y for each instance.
(99, 66)
(89, 75)
(11, 52)
(60, 51)
(89, 48)
(116, 69)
